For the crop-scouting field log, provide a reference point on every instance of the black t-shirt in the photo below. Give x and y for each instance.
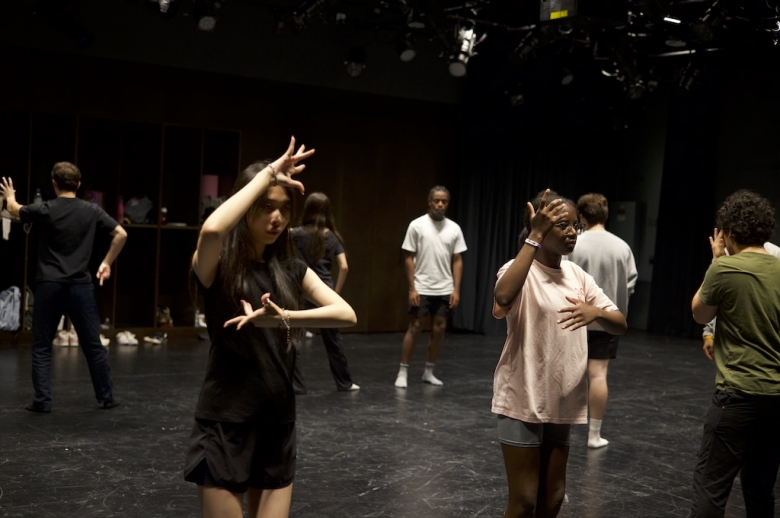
(303, 244)
(67, 229)
(249, 372)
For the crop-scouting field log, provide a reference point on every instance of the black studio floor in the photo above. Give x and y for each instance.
(423, 452)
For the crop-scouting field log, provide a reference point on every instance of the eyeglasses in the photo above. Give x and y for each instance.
(564, 226)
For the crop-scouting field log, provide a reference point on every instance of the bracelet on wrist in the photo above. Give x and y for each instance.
(533, 243)
(274, 181)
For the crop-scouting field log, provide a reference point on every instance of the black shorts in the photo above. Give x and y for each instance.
(237, 456)
(434, 305)
(602, 346)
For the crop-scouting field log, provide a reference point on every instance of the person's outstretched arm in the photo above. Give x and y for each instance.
(212, 235)
(118, 240)
(341, 276)
(7, 190)
(511, 283)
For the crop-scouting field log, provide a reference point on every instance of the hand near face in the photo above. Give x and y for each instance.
(578, 315)
(718, 244)
(288, 165)
(267, 316)
(543, 220)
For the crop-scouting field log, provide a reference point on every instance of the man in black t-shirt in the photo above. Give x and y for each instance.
(67, 229)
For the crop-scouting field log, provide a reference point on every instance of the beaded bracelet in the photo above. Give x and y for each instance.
(533, 243)
(286, 323)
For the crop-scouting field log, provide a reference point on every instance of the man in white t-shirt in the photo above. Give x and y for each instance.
(434, 267)
(610, 261)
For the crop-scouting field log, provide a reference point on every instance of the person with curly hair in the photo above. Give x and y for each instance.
(540, 386)
(742, 422)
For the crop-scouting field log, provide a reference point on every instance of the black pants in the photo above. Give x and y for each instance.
(52, 300)
(339, 367)
(740, 433)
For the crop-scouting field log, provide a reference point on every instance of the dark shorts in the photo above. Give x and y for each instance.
(434, 305)
(514, 432)
(237, 456)
(602, 346)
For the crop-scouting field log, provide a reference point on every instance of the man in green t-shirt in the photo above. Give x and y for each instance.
(743, 422)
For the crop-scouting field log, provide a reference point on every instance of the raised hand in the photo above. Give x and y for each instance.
(287, 165)
(718, 244)
(543, 220)
(579, 315)
(267, 316)
(7, 188)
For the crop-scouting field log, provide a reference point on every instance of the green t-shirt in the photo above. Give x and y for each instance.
(746, 289)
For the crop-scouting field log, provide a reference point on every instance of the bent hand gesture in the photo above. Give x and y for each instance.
(287, 165)
(7, 188)
(717, 243)
(103, 273)
(268, 315)
(579, 315)
(543, 220)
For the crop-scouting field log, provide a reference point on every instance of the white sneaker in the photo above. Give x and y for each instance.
(126, 338)
(61, 339)
(400, 382)
(105, 341)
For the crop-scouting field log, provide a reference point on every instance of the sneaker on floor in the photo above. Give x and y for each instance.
(105, 341)
(400, 382)
(156, 338)
(61, 339)
(433, 380)
(126, 338)
(108, 405)
(352, 388)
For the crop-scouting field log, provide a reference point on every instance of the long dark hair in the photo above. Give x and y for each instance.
(317, 216)
(238, 258)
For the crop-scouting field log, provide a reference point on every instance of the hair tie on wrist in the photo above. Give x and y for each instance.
(274, 181)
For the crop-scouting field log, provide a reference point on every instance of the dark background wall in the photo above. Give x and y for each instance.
(383, 139)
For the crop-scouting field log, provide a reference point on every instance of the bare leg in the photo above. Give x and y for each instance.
(552, 487)
(522, 475)
(217, 502)
(438, 326)
(410, 340)
(598, 393)
(269, 503)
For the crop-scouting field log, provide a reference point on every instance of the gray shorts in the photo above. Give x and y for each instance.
(513, 432)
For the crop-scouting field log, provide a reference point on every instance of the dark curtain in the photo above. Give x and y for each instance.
(686, 213)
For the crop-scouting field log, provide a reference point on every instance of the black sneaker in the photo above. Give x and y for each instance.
(157, 338)
(33, 407)
(108, 405)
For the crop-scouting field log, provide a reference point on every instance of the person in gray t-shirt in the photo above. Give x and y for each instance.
(611, 263)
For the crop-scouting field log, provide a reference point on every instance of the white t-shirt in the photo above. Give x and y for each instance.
(433, 244)
(542, 375)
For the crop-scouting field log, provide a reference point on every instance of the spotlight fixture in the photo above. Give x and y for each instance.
(207, 23)
(415, 20)
(405, 48)
(688, 78)
(706, 28)
(164, 5)
(465, 49)
(527, 47)
(355, 62)
(306, 11)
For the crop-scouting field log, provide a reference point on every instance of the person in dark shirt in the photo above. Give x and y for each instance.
(243, 439)
(318, 243)
(68, 227)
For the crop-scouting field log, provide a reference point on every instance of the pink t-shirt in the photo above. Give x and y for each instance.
(542, 375)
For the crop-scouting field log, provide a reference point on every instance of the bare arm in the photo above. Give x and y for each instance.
(7, 190)
(457, 274)
(118, 240)
(333, 311)
(212, 235)
(341, 276)
(414, 297)
(511, 283)
(702, 313)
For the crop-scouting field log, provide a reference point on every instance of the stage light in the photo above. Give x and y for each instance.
(706, 28)
(355, 62)
(164, 5)
(306, 11)
(405, 48)
(465, 49)
(207, 23)
(415, 20)
(669, 19)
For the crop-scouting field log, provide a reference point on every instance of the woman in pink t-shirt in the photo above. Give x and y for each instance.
(541, 384)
